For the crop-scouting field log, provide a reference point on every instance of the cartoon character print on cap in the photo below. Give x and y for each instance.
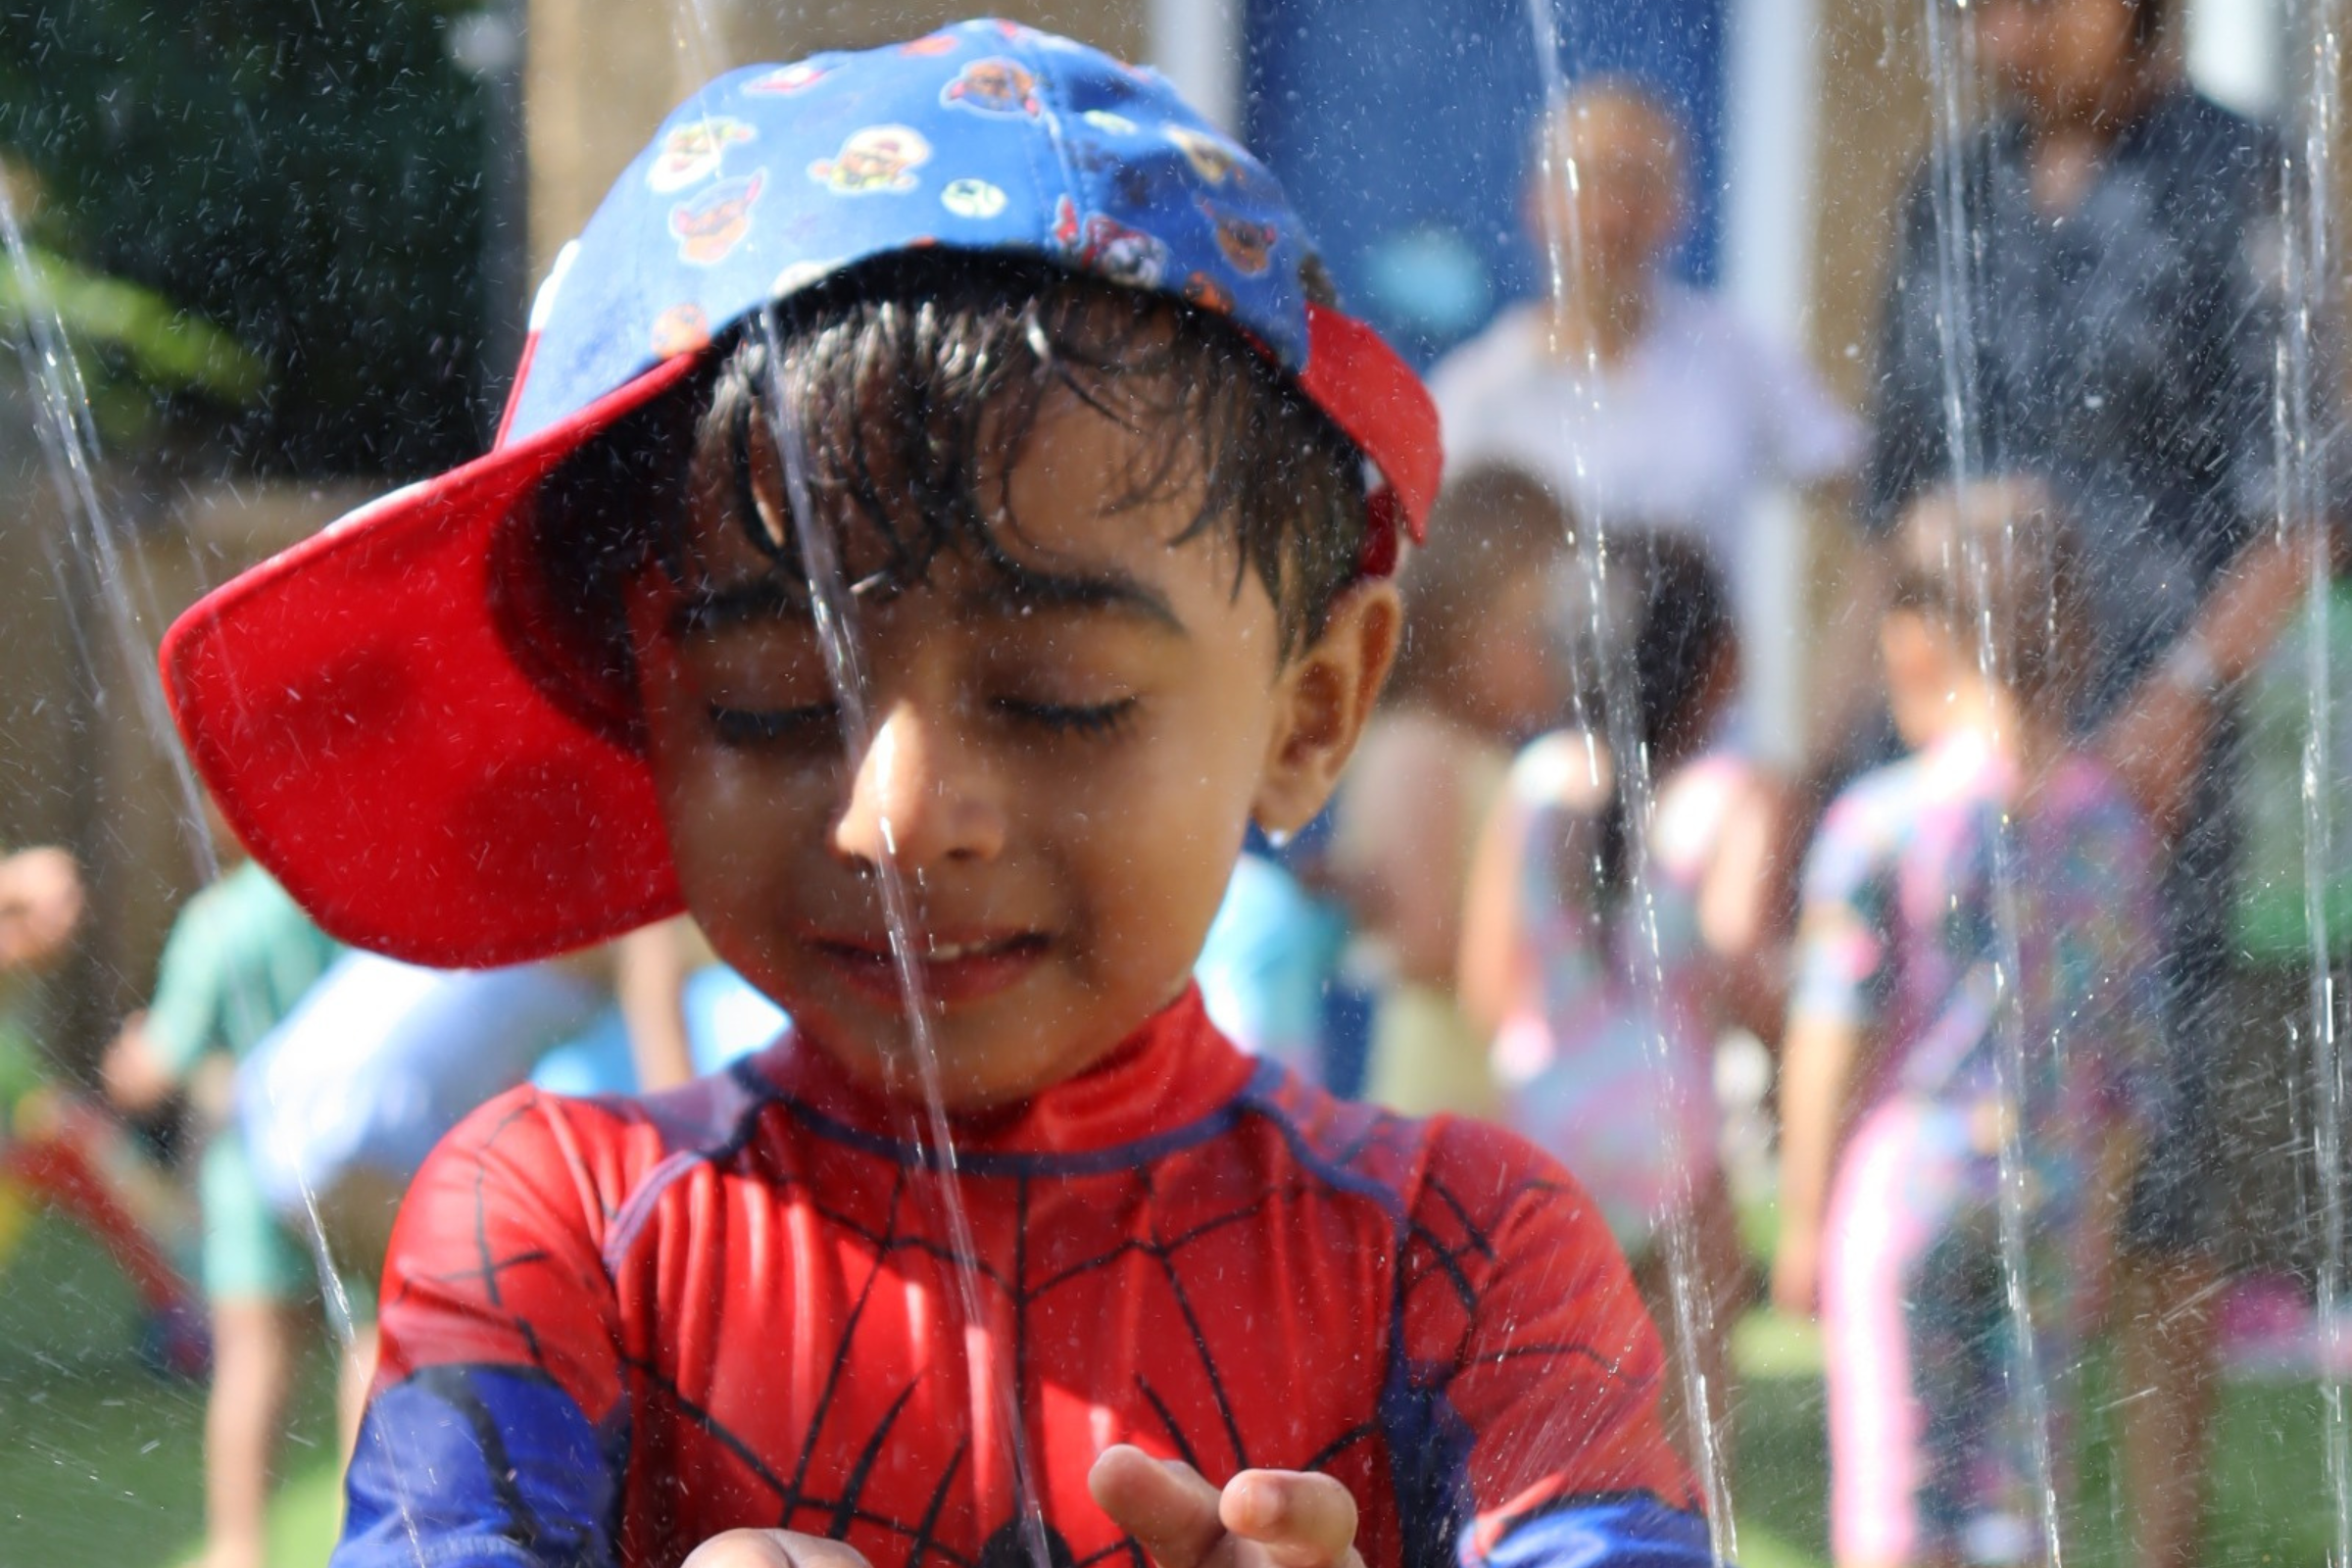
(680, 330)
(694, 152)
(994, 86)
(937, 43)
(876, 161)
(1245, 242)
(785, 80)
(972, 198)
(1213, 158)
(1109, 248)
(1207, 292)
(710, 226)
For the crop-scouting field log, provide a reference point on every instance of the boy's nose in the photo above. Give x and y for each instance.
(922, 795)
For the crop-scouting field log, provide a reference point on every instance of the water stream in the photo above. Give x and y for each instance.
(2307, 378)
(1628, 761)
(92, 549)
(835, 608)
(1953, 75)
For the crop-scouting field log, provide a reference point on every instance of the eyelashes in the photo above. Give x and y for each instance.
(745, 727)
(1082, 719)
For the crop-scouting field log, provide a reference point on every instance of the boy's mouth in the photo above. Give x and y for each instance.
(952, 969)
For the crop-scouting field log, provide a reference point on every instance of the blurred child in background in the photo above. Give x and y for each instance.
(1606, 947)
(241, 956)
(1976, 982)
(1478, 675)
(346, 1098)
(59, 1149)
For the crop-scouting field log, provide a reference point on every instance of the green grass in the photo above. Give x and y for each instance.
(2266, 1508)
(102, 1460)
(102, 1463)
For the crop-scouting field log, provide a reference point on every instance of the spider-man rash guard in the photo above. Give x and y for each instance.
(615, 1327)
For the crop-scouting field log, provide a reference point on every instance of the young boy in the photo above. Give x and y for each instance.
(994, 335)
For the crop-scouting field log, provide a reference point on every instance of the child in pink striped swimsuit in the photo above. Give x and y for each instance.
(1967, 995)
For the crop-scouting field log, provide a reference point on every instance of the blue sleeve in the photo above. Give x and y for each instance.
(518, 1475)
(1632, 1531)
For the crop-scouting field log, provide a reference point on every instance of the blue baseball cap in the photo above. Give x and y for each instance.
(355, 703)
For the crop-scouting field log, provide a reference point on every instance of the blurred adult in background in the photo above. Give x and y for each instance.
(1643, 403)
(1478, 674)
(2123, 317)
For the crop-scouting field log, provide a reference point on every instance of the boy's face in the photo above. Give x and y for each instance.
(1062, 764)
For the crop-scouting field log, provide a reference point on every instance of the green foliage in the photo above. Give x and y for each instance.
(306, 176)
(166, 347)
(134, 346)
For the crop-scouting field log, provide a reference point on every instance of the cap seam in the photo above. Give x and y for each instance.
(1056, 94)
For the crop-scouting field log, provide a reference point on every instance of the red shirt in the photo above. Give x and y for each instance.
(615, 1327)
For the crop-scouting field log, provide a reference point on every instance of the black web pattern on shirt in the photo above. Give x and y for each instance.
(1429, 1257)
(490, 1266)
(803, 1502)
(807, 1502)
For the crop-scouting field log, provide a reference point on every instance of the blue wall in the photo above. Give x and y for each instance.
(1401, 129)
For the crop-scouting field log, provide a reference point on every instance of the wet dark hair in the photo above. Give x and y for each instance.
(1667, 622)
(1997, 564)
(916, 381)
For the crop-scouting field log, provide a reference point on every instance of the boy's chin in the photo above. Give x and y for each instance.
(975, 1065)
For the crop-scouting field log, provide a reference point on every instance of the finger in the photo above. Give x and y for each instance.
(1303, 1520)
(1164, 1504)
(773, 1549)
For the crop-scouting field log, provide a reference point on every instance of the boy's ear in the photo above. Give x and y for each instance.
(1323, 697)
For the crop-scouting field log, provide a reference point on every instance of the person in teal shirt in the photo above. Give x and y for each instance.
(241, 955)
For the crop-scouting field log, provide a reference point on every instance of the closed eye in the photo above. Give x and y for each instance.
(758, 726)
(1085, 719)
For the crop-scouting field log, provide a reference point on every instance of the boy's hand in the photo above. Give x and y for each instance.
(1261, 1519)
(773, 1549)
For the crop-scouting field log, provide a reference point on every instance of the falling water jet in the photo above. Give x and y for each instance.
(836, 632)
(68, 438)
(1953, 76)
(70, 445)
(931, 1134)
(2306, 462)
(1620, 726)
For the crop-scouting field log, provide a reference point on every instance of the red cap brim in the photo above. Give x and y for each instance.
(1379, 403)
(357, 713)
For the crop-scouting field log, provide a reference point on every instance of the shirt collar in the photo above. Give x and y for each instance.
(1171, 1073)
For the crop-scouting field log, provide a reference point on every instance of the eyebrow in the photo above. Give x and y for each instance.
(1017, 589)
(1013, 590)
